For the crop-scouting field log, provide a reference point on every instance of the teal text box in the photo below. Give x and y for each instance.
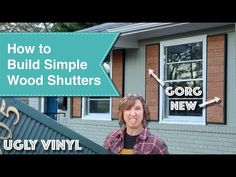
(55, 64)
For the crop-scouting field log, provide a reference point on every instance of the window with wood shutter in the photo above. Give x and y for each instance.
(192, 62)
(183, 70)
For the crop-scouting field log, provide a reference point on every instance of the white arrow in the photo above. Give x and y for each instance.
(216, 99)
(151, 72)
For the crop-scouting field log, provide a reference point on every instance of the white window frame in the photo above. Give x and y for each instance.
(42, 99)
(197, 120)
(98, 116)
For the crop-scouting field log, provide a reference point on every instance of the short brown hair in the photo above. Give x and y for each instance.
(127, 102)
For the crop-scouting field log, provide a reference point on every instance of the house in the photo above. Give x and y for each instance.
(194, 112)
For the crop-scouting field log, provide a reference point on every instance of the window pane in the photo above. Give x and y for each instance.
(191, 70)
(182, 73)
(184, 52)
(99, 106)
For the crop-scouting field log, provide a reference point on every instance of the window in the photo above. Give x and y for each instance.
(98, 108)
(182, 68)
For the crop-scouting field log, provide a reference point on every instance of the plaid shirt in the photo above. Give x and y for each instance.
(146, 143)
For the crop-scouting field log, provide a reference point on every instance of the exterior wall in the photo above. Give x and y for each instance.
(95, 130)
(35, 103)
(134, 71)
(180, 139)
(231, 80)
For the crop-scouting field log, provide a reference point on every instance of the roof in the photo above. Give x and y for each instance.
(33, 125)
(104, 27)
(131, 33)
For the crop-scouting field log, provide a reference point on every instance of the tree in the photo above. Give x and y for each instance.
(71, 27)
(43, 27)
(26, 27)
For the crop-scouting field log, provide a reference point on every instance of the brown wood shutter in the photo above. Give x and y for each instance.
(216, 77)
(76, 107)
(152, 93)
(117, 77)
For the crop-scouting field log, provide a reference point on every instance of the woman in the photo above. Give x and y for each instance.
(134, 137)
